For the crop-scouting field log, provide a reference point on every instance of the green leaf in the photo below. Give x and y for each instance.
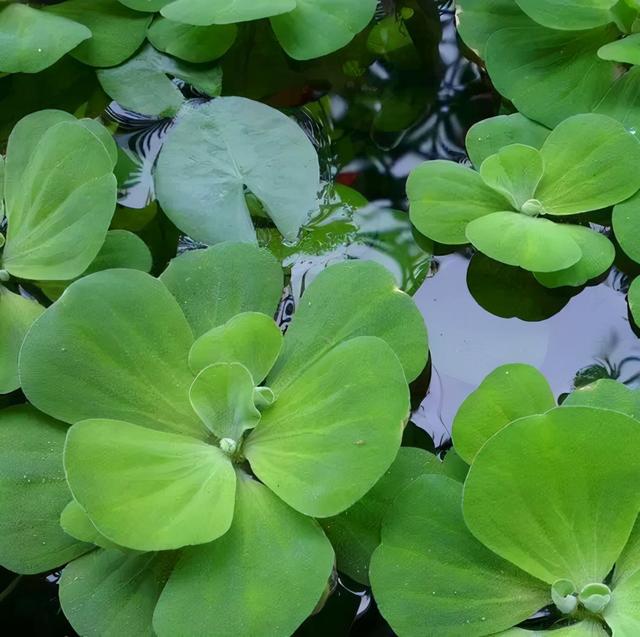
(588, 172)
(114, 593)
(598, 254)
(569, 15)
(145, 5)
(622, 614)
(506, 394)
(222, 395)
(205, 12)
(192, 43)
(149, 490)
(217, 149)
(557, 478)
(141, 84)
(116, 30)
(32, 40)
(607, 394)
(271, 559)
(356, 298)
(625, 51)
(626, 226)
(76, 523)
(622, 100)
(633, 296)
(348, 409)
(515, 172)
(532, 243)
(431, 576)
(33, 492)
(215, 284)
(565, 63)
(90, 356)
(16, 316)
(445, 197)
(355, 533)
(319, 27)
(250, 338)
(60, 196)
(490, 135)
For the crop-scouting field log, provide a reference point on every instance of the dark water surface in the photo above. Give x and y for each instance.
(372, 124)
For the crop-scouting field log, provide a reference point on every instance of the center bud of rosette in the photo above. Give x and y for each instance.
(228, 446)
(532, 208)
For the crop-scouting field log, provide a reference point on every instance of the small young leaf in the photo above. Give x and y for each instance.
(532, 243)
(506, 394)
(563, 594)
(149, 490)
(222, 395)
(271, 558)
(249, 338)
(445, 197)
(515, 172)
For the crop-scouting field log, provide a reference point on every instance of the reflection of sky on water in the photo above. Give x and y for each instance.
(467, 342)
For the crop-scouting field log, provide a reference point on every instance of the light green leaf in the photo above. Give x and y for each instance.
(633, 297)
(149, 490)
(628, 564)
(114, 593)
(60, 205)
(205, 12)
(141, 84)
(32, 40)
(250, 338)
(622, 614)
(215, 284)
(533, 243)
(488, 136)
(145, 5)
(454, 467)
(2, 193)
(598, 254)
(356, 298)
(217, 149)
(607, 394)
(554, 516)
(506, 394)
(16, 316)
(117, 31)
(431, 576)
(585, 628)
(272, 559)
(626, 51)
(445, 197)
(569, 15)
(346, 410)
(588, 172)
(626, 226)
(104, 135)
(222, 395)
(319, 27)
(564, 62)
(90, 356)
(515, 172)
(76, 523)
(33, 492)
(355, 533)
(192, 43)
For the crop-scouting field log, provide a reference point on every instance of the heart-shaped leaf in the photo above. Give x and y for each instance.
(219, 148)
(149, 490)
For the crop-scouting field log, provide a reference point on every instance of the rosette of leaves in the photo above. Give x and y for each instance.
(530, 528)
(305, 28)
(562, 48)
(202, 443)
(219, 153)
(529, 181)
(58, 194)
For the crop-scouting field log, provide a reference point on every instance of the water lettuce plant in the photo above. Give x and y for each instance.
(59, 194)
(201, 442)
(529, 528)
(528, 181)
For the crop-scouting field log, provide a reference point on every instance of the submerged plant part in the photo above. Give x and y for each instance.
(505, 208)
(203, 438)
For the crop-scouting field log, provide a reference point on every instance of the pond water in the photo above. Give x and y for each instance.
(372, 125)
